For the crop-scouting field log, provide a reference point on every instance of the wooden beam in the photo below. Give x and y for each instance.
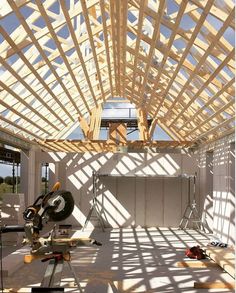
(90, 34)
(201, 89)
(104, 23)
(63, 56)
(169, 45)
(214, 285)
(113, 146)
(186, 51)
(118, 133)
(95, 122)
(137, 44)
(77, 47)
(142, 124)
(196, 264)
(155, 38)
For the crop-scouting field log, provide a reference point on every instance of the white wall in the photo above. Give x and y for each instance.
(145, 201)
(219, 207)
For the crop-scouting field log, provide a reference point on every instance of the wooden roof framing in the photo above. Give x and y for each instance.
(60, 61)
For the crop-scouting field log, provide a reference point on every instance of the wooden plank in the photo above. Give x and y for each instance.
(186, 51)
(169, 45)
(203, 58)
(210, 101)
(124, 20)
(89, 30)
(21, 128)
(113, 39)
(213, 130)
(224, 257)
(63, 56)
(22, 101)
(24, 59)
(214, 285)
(118, 132)
(155, 38)
(95, 122)
(77, 47)
(196, 264)
(137, 44)
(211, 117)
(105, 32)
(142, 124)
(112, 146)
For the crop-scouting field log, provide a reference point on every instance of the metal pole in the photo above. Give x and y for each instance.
(13, 177)
(17, 165)
(46, 178)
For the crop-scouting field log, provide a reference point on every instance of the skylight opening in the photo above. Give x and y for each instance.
(228, 71)
(51, 44)
(131, 35)
(10, 23)
(148, 28)
(161, 134)
(26, 11)
(47, 74)
(179, 45)
(191, 59)
(202, 35)
(63, 32)
(144, 48)
(172, 7)
(131, 17)
(39, 22)
(184, 73)
(165, 31)
(55, 7)
(70, 52)
(58, 60)
(187, 23)
(153, 5)
(214, 22)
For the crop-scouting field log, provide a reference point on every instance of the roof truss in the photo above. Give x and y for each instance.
(60, 61)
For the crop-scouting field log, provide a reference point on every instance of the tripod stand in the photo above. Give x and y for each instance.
(94, 207)
(52, 277)
(191, 213)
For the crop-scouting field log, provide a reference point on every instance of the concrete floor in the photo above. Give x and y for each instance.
(130, 260)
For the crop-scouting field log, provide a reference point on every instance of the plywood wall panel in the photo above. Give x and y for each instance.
(126, 197)
(172, 201)
(154, 202)
(140, 201)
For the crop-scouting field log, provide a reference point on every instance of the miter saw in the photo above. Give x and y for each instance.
(57, 205)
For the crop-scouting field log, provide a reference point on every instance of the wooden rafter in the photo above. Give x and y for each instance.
(64, 59)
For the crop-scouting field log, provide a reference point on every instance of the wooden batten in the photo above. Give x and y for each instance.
(142, 124)
(118, 133)
(85, 53)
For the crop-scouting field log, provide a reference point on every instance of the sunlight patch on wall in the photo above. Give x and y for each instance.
(116, 214)
(57, 157)
(52, 167)
(174, 164)
(121, 168)
(80, 217)
(170, 170)
(222, 209)
(78, 184)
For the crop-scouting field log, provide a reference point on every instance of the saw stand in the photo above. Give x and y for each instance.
(52, 277)
(95, 206)
(191, 213)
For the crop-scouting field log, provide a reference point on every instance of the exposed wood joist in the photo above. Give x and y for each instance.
(111, 146)
(62, 60)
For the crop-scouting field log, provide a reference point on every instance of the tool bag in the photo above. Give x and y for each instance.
(195, 252)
